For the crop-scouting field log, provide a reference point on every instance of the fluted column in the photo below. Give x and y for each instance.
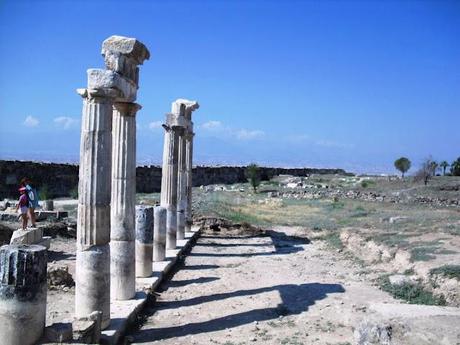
(169, 182)
(123, 209)
(188, 173)
(181, 187)
(93, 225)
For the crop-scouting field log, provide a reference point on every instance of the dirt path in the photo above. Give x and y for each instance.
(252, 290)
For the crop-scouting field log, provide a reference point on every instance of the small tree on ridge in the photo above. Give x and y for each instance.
(403, 165)
(253, 175)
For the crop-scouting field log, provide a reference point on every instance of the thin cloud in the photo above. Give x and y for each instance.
(212, 125)
(155, 125)
(245, 134)
(217, 127)
(333, 144)
(65, 122)
(31, 121)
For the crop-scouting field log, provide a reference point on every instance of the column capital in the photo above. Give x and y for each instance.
(175, 120)
(109, 93)
(127, 109)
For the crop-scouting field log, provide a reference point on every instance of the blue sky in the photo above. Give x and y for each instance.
(284, 83)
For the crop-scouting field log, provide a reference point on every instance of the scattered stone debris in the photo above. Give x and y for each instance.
(58, 276)
(372, 333)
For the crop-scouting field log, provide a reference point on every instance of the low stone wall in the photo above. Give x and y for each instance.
(62, 179)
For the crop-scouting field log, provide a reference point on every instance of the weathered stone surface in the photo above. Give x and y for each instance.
(122, 234)
(28, 236)
(59, 332)
(103, 79)
(372, 333)
(144, 240)
(122, 270)
(159, 234)
(92, 279)
(169, 183)
(22, 293)
(123, 55)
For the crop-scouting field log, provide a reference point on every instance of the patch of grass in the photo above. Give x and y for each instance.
(359, 211)
(411, 293)
(367, 183)
(448, 271)
(333, 239)
(393, 239)
(425, 251)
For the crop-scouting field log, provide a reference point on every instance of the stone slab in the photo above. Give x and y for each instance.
(124, 313)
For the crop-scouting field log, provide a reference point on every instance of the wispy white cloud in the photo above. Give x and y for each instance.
(31, 121)
(245, 134)
(65, 122)
(217, 127)
(155, 125)
(212, 125)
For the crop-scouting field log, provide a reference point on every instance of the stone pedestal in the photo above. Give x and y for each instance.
(159, 234)
(92, 291)
(22, 294)
(144, 241)
(122, 234)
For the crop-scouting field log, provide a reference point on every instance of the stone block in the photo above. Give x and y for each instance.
(45, 242)
(87, 330)
(103, 79)
(59, 332)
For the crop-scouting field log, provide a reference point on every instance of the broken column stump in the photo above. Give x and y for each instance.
(144, 241)
(22, 293)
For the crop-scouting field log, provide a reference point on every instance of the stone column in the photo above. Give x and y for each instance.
(22, 294)
(188, 172)
(122, 56)
(144, 241)
(169, 179)
(122, 234)
(159, 233)
(92, 291)
(181, 187)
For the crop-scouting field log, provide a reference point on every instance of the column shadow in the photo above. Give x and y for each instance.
(295, 300)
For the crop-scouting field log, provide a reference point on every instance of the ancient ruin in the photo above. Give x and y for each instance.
(173, 182)
(107, 180)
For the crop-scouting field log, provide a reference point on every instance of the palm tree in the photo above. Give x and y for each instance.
(434, 166)
(455, 167)
(444, 166)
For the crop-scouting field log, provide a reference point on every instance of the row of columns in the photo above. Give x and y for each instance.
(116, 241)
(176, 183)
(110, 251)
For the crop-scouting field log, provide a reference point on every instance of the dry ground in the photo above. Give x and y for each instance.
(272, 289)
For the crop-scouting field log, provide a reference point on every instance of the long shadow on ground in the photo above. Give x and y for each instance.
(295, 299)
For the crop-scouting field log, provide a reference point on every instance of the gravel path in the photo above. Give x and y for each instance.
(273, 289)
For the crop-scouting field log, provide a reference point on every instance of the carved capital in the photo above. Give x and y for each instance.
(100, 94)
(127, 109)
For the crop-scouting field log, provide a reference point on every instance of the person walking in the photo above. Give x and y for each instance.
(23, 206)
(32, 196)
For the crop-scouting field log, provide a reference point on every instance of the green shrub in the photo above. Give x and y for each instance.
(448, 271)
(411, 293)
